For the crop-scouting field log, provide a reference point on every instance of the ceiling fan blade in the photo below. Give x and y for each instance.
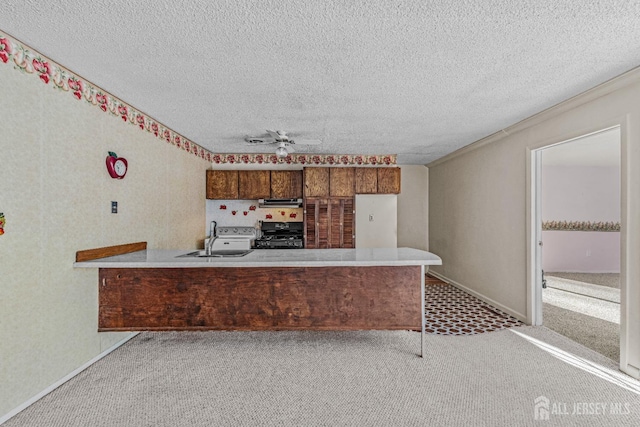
(252, 140)
(278, 135)
(306, 141)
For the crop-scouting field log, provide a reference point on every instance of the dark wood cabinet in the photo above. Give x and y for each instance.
(329, 222)
(377, 180)
(286, 184)
(293, 184)
(222, 184)
(316, 216)
(342, 182)
(349, 181)
(388, 180)
(316, 182)
(254, 184)
(342, 221)
(366, 180)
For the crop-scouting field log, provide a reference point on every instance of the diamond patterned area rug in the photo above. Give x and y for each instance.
(451, 311)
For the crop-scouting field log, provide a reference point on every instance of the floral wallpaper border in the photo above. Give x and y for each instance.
(580, 226)
(50, 73)
(310, 159)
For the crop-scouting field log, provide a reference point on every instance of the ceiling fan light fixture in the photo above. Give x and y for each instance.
(281, 151)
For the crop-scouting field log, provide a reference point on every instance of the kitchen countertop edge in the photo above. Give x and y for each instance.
(170, 258)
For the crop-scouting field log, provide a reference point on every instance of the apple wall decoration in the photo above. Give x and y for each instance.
(116, 166)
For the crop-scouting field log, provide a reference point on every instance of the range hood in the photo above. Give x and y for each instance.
(280, 203)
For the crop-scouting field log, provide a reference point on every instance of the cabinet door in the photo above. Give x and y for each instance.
(329, 223)
(254, 184)
(341, 223)
(342, 182)
(388, 180)
(366, 180)
(316, 182)
(316, 219)
(286, 184)
(310, 223)
(222, 184)
(349, 223)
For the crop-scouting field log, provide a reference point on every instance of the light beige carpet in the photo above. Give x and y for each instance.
(597, 334)
(611, 280)
(587, 313)
(361, 378)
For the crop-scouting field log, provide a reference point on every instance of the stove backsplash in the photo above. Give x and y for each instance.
(247, 213)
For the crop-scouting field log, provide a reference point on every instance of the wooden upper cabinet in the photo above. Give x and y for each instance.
(388, 180)
(222, 184)
(254, 184)
(286, 184)
(294, 184)
(342, 182)
(366, 180)
(316, 182)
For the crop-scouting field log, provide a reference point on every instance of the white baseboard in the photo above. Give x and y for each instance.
(61, 381)
(521, 317)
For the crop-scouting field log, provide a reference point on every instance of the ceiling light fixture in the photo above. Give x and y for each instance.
(281, 151)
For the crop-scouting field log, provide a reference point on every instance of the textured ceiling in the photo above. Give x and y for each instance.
(415, 78)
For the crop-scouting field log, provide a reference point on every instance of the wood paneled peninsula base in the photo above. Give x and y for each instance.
(322, 289)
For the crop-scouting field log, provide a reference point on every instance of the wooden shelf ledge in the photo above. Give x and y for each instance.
(91, 254)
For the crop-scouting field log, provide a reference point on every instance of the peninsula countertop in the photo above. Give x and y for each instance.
(171, 258)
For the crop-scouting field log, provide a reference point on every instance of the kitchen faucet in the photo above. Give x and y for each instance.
(212, 237)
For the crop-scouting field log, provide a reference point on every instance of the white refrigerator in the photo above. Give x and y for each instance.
(376, 220)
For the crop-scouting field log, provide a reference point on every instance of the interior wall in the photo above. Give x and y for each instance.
(581, 252)
(578, 194)
(478, 197)
(413, 207)
(477, 223)
(56, 196)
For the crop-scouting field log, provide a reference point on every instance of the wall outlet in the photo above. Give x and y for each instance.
(114, 207)
(588, 252)
(370, 218)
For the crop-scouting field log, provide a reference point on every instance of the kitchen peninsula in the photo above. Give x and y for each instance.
(311, 289)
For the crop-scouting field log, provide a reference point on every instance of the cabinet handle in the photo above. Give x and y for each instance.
(104, 282)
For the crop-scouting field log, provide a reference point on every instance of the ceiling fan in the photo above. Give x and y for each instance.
(283, 141)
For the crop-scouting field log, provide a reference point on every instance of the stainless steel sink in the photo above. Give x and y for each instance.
(222, 253)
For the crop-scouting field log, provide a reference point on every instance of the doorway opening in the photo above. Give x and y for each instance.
(578, 239)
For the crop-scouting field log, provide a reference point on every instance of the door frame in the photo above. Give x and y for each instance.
(534, 233)
(534, 264)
